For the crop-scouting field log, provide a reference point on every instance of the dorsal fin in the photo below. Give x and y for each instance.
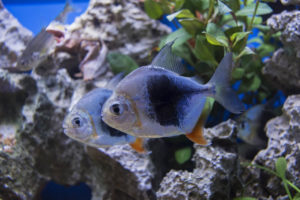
(114, 81)
(168, 60)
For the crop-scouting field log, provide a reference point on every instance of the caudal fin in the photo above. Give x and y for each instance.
(221, 81)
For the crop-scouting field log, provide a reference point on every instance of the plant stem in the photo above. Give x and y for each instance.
(251, 23)
(264, 168)
(286, 187)
(210, 10)
(293, 186)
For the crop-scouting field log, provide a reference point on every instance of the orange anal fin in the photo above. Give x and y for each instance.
(138, 145)
(197, 134)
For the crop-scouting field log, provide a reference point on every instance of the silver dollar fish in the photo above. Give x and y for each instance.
(85, 125)
(41, 45)
(155, 102)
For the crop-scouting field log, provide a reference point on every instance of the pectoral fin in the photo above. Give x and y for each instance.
(197, 134)
(137, 145)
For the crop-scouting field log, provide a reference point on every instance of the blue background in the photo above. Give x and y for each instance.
(36, 14)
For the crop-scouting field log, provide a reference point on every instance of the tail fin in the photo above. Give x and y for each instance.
(224, 94)
(62, 16)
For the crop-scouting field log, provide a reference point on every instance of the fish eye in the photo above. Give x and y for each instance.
(116, 109)
(77, 122)
(22, 62)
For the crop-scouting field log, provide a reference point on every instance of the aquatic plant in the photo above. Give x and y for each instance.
(206, 30)
(280, 172)
(121, 63)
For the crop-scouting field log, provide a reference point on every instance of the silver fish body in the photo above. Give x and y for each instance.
(85, 125)
(41, 45)
(250, 130)
(153, 101)
(249, 125)
(36, 51)
(162, 107)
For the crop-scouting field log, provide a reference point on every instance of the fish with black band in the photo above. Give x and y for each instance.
(156, 101)
(85, 125)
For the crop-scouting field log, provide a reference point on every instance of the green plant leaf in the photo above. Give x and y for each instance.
(199, 5)
(255, 39)
(223, 8)
(255, 83)
(215, 35)
(153, 9)
(262, 27)
(121, 63)
(184, 52)
(262, 9)
(192, 26)
(257, 20)
(179, 4)
(183, 155)
(297, 197)
(214, 30)
(262, 96)
(265, 50)
(238, 73)
(251, 83)
(204, 51)
(239, 46)
(249, 75)
(232, 30)
(280, 166)
(233, 4)
(185, 13)
(238, 36)
(212, 40)
(181, 36)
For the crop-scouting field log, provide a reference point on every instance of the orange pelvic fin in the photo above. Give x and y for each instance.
(197, 134)
(137, 145)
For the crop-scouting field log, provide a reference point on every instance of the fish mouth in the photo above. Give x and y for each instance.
(66, 129)
(73, 134)
(67, 132)
(65, 126)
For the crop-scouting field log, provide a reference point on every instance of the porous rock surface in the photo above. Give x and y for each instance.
(13, 38)
(215, 172)
(283, 68)
(122, 25)
(290, 2)
(35, 150)
(284, 141)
